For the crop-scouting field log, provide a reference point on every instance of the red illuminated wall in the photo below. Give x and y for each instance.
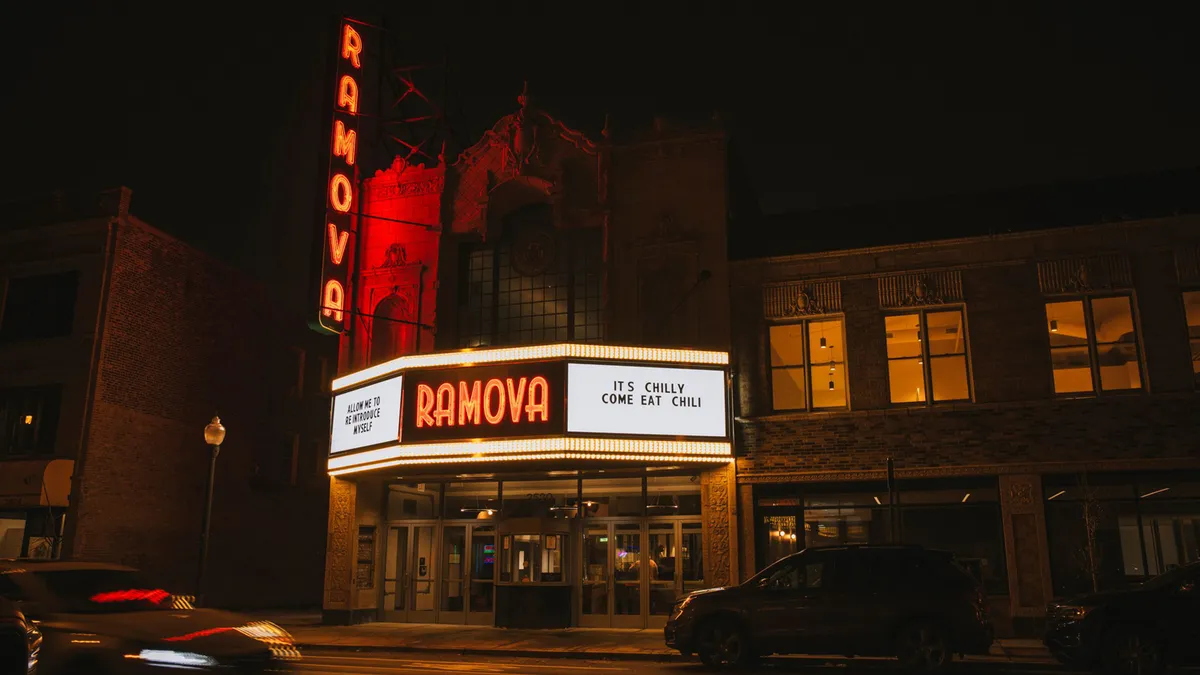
(396, 266)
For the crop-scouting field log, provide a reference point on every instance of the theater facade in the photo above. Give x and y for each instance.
(531, 422)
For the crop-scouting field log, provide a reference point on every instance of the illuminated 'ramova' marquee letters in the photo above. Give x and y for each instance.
(341, 193)
(502, 401)
(478, 402)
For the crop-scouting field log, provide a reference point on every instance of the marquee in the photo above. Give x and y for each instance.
(563, 403)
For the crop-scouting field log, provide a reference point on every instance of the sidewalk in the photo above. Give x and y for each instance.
(593, 643)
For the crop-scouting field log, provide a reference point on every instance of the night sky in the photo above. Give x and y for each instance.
(212, 112)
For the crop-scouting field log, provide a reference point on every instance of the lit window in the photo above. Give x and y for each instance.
(1093, 345)
(1191, 306)
(812, 377)
(927, 352)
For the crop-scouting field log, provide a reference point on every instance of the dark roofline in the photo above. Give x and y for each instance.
(1038, 207)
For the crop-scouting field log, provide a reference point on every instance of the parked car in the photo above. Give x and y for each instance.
(1139, 630)
(107, 620)
(913, 603)
(20, 641)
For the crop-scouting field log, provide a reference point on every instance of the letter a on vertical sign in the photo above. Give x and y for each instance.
(341, 188)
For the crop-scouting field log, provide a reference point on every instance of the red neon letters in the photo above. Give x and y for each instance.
(472, 403)
(341, 190)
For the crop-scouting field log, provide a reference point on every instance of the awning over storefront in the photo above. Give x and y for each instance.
(36, 482)
(554, 406)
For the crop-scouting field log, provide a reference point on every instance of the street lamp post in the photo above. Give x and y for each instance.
(214, 434)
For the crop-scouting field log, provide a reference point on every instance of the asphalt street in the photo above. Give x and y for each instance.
(356, 663)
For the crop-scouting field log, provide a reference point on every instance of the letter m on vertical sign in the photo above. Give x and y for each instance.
(340, 220)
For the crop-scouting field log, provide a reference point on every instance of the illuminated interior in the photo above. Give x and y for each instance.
(534, 353)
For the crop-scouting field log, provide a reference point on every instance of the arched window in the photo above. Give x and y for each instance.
(391, 336)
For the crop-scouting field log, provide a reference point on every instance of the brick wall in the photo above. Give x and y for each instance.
(1015, 417)
(184, 336)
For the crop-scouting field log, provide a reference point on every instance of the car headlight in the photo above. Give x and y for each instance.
(680, 605)
(170, 657)
(1071, 613)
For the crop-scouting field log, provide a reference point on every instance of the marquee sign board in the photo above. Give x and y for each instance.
(559, 402)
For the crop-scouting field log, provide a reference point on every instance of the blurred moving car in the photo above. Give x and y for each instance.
(106, 620)
(1139, 630)
(20, 641)
(913, 603)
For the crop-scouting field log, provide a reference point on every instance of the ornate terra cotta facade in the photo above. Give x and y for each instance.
(536, 234)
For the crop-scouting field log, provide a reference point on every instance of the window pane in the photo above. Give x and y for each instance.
(1119, 367)
(607, 497)
(413, 500)
(692, 566)
(787, 345)
(949, 377)
(828, 388)
(1113, 320)
(946, 334)
(673, 495)
(1072, 370)
(903, 335)
(907, 379)
(472, 500)
(1064, 321)
(825, 342)
(787, 388)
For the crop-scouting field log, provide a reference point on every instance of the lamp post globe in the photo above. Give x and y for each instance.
(214, 432)
(214, 435)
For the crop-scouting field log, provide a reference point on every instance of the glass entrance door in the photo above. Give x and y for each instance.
(633, 572)
(482, 572)
(409, 574)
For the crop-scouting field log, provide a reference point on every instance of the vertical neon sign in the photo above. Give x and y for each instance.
(341, 189)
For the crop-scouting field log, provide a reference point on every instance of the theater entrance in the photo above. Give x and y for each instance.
(600, 552)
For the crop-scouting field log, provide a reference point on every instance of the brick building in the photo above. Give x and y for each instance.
(117, 344)
(1024, 384)
(536, 234)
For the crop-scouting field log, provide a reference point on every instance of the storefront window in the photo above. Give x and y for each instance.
(673, 495)
(605, 497)
(844, 518)
(1107, 530)
(413, 500)
(962, 517)
(472, 500)
(541, 499)
(1191, 307)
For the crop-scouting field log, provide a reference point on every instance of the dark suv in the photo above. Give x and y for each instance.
(1137, 630)
(905, 601)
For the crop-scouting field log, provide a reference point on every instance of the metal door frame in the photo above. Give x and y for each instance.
(408, 614)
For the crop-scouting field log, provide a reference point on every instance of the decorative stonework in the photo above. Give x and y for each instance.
(396, 256)
(1170, 464)
(339, 544)
(919, 290)
(717, 494)
(1020, 494)
(1187, 264)
(799, 298)
(1084, 274)
(388, 191)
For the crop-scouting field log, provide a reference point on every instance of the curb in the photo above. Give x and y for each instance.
(515, 653)
(1011, 660)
